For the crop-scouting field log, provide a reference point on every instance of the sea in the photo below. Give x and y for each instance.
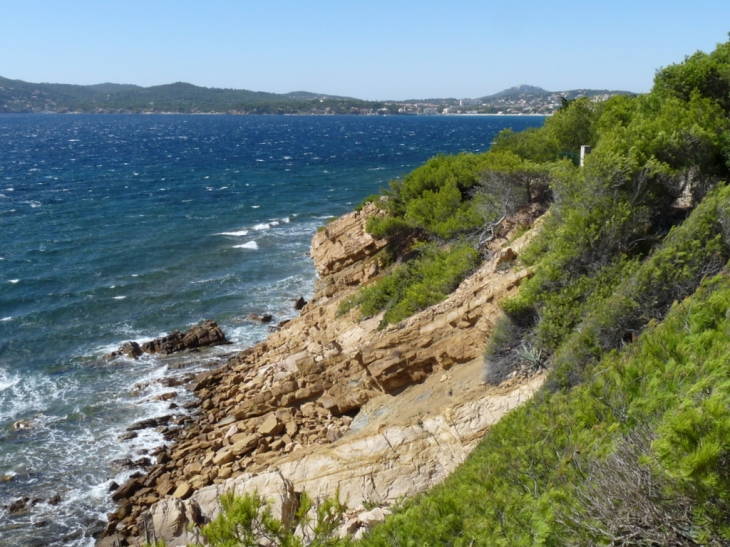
(117, 228)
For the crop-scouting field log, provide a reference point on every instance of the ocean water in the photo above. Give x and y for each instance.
(117, 228)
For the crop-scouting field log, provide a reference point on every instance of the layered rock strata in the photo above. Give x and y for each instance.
(330, 401)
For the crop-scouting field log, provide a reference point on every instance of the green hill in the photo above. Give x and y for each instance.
(19, 96)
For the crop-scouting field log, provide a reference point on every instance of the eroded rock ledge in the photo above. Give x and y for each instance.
(328, 402)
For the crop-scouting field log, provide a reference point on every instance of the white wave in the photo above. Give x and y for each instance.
(8, 318)
(135, 275)
(250, 245)
(287, 157)
(10, 189)
(119, 297)
(35, 204)
(234, 234)
(262, 226)
(223, 188)
(13, 281)
(286, 220)
(254, 206)
(7, 380)
(274, 223)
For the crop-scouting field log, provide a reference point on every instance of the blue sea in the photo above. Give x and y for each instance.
(117, 228)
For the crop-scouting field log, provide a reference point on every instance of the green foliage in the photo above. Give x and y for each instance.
(247, 521)
(659, 410)
(560, 137)
(628, 308)
(421, 282)
(704, 73)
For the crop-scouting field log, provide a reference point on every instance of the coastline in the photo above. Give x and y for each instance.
(322, 392)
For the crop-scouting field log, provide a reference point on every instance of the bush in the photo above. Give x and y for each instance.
(419, 283)
(247, 521)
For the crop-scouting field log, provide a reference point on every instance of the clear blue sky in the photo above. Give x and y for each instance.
(394, 49)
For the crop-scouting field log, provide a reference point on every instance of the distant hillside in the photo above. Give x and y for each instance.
(535, 90)
(19, 96)
(517, 90)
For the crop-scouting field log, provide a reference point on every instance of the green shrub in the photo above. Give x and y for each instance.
(247, 521)
(419, 283)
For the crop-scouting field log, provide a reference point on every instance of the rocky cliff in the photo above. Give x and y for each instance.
(330, 401)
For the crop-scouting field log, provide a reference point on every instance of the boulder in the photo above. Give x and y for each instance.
(206, 334)
(300, 303)
(130, 350)
(260, 317)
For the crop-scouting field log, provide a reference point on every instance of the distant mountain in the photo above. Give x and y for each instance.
(179, 97)
(529, 90)
(517, 90)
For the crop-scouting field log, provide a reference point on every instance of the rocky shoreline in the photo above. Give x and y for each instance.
(328, 402)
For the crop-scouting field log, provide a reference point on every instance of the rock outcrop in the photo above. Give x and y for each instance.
(206, 334)
(330, 401)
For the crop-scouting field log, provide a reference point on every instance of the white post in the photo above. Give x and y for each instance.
(584, 151)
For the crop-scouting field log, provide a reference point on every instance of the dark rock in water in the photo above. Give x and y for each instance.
(131, 350)
(113, 486)
(300, 303)
(21, 505)
(23, 424)
(122, 464)
(127, 436)
(55, 500)
(142, 462)
(260, 317)
(6, 478)
(206, 334)
(149, 423)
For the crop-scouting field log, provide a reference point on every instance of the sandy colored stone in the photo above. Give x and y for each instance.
(183, 491)
(272, 426)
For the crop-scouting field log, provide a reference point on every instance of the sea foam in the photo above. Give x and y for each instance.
(233, 234)
(250, 245)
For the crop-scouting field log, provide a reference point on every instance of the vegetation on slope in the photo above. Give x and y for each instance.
(628, 309)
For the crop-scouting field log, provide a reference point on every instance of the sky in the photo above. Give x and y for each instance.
(374, 50)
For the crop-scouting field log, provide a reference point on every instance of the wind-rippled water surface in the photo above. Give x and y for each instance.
(117, 228)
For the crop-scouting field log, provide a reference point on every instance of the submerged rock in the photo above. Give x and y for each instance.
(260, 317)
